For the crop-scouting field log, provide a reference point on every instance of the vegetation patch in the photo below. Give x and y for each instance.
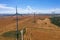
(12, 34)
(55, 20)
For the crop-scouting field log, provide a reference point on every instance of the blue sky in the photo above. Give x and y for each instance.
(25, 6)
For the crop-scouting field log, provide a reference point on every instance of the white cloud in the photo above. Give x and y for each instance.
(28, 9)
(6, 9)
(5, 6)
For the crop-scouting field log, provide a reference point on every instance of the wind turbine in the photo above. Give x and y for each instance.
(34, 16)
(17, 34)
(53, 13)
(17, 31)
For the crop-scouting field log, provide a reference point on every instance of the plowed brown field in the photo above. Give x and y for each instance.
(40, 30)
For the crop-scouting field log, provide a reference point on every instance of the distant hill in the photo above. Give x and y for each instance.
(30, 14)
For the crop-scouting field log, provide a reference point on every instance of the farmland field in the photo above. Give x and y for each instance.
(38, 28)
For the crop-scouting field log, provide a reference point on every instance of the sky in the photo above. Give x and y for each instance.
(29, 6)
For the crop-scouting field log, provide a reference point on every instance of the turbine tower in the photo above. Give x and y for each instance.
(17, 34)
(53, 13)
(34, 17)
